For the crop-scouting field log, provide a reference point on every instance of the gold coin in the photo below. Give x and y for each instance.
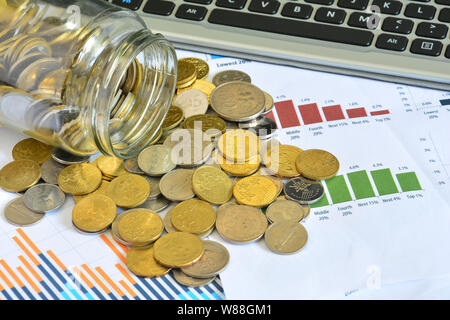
(211, 125)
(193, 216)
(238, 144)
(142, 263)
(286, 237)
(140, 226)
(186, 73)
(255, 191)
(19, 175)
(94, 213)
(177, 185)
(285, 210)
(266, 173)
(128, 190)
(178, 249)
(212, 184)
(101, 190)
(241, 224)
(173, 118)
(281, 160)
(31, 149)
(239, 169)
(204, 86)
(79, 179)
(111, 166)
(317, 164)
(201, 66)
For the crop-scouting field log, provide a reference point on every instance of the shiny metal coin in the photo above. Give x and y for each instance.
(188, 281)
(64, 157)
(44, 197)
(155, 192)
(156, 205)
(303, 191)
(263, 127)
(30, 78)
(18, 214)
(230, 75)
(50, 170)
(131, 165)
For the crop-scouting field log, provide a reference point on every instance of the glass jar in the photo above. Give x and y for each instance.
(85, 76)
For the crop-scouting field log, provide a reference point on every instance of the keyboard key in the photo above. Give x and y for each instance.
(264, 6)
(297, 10)
(391, 42)
(129, 4)
(426, 47)
(444, 2)
(444, 15)
(447, 52)
(353, 4)
(191, 12)
(160, 7)
(325, 2)
(432, 30)
(329, 15)
(232, 4)
(414, 10)
(397, 25)
(290, 27)
(388, 6)
(362, 20)
(200, 1)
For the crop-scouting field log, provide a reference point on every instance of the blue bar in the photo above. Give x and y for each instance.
(445, 102)
(218, 286)
(47, 288)
(17, 293)
(49, 277)
(6, 294)
(112, 296)
(155, 281)
(149, 287)
(72, 290)
(214, 56)
(80, 285)
(98, 293)
(171, 286)
(42, 295)
(213, 293)
(146, 296)
(29, 294)
(182, 297)
(53, 269)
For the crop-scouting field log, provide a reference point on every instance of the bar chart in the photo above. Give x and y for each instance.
(311, 113)
(367, 184)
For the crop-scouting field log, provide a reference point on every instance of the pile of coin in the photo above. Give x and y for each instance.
(234, 181)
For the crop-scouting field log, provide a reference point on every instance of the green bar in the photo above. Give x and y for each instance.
(321, 203)
(408, 181)
(384, 181)
(362, 188)
(338, 189)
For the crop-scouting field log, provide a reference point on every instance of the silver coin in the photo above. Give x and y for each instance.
(30, 78)
(17, 68)
(44, 197)
(50, 171)
(263, 127)
(268, 104)
(18, 214)
(156, 160)
(155, 205)
(188, 281)
(131, 165)
(230, 75)
(155, 192)
(64, 157)
(303, 191)
(177, 185)
(89, 233)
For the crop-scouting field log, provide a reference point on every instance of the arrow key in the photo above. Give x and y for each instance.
(432, 30)
(264, 6)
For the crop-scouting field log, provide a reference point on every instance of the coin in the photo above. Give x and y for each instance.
(50, 171)
(128, 190)
(178, 249)
(239, 169)
(282, 210)
(263, 127)
(80, 179)
(18, 214)
(281, 160)
(213, 261)
(303, 191)
(31, 149)
(156, 160)
(141, 262)
(212, 184)
(286, 237)
(256, 191)
(19, 175)
(177, 185)
(193, 216)
(140, 226)
(268, 103)
(100, 190)
(317, 164)
(155, 205)
(173, 118)
(241, 224)
(230, 75)
(221, 208)
(64, 157)
(188, 281)
(168, 223)
(204, 86)
(238, 144)
(265, 173)
(238, 101)
(192, 102)
(131, 165)
(44, 197)
(111, 166)
(200, 65)
(187, 74)
(213, 126)
(155, 191)
(94, 213)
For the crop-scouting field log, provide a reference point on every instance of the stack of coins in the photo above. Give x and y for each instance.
(234, 181)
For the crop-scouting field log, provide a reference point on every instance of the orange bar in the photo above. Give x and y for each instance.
(29, 280)
(28, 240)
(126, 274)
(109, 280)
(58, 262)
(11, 273)
(96, 279)
(113, 248)
(30, 268)
(127, 287)
(83, 277)
(27, 252)
(8, 283)
(1, 287)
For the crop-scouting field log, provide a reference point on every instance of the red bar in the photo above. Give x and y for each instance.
(333, 113)
(356, 113)
(379, 113)
(310, 113)
(270, 115)
(286, 114)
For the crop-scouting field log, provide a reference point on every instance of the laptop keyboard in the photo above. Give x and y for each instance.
(420, 27)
